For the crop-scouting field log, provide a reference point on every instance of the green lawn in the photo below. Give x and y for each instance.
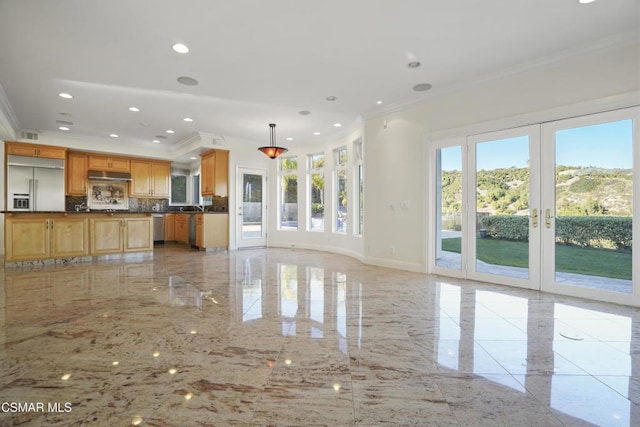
(569, 259)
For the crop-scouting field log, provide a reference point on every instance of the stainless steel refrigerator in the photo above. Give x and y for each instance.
(35, 184)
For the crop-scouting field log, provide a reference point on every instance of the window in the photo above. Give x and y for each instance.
(316, 192)
(341, 190)
(289, 193)
(179, 182)
(358, 155)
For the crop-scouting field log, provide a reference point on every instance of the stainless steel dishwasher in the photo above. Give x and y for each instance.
(158, 228)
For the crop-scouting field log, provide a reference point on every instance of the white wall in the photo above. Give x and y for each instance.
(395, 155)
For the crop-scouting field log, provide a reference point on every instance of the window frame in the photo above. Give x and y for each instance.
(282, 173)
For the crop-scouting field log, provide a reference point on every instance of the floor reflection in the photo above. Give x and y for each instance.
(194, 338)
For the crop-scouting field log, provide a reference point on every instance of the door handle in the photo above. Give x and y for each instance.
(534, 218)
(548, 217)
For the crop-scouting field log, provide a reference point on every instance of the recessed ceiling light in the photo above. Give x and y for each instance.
(113, 135)
(192, 158)
(316, 133)
(585, 1)
(187, 119)
(64, 122)
(180, 48)
(134, 109)
(379, 102)
(161, 137)
(65, 95)
(188, 81)
(413, 64)
(304, 112)
(337, 125)
(331, 98)
(169, 131)
(157, 141)
(422, 87)
(289, 138)
(66, 114)
(63, 128)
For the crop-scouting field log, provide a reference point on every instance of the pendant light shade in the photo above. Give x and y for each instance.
(272, 151)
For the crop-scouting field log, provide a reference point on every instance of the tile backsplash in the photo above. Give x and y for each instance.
(135, 204)
(212, 204)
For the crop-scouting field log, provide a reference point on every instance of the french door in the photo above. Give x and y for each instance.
(504, 204)
(545, 207)
(589, 191)
(251, 211)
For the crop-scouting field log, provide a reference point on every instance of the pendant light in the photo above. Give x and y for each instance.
(272, 151)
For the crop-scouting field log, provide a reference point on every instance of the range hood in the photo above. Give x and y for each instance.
(109, 176)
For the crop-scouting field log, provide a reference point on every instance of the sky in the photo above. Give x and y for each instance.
(606, 145)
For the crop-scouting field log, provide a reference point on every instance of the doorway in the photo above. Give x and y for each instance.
(546, 207)
(252, 209)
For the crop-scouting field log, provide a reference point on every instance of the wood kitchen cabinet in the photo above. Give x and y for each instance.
(69, 237)
(106, 235)
(150, 179)
(169, 228)
(26, 239)
(182, 228)
(35, 150)
(115, 234)
(76, 173)
(214, 173)
(212, 230)
(37, 237)
(138, 234)
(109, 163)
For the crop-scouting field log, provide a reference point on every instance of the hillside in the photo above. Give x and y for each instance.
(579, 191)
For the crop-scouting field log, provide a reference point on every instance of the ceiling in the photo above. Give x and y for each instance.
(260, 62)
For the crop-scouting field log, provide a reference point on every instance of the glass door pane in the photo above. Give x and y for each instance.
(251, 212)
(588, 214)
(504, 240)
(448, 204)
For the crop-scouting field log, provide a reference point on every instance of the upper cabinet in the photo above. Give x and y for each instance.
(77, 174)
(215, 173)
(150, 178)
(109, 163)
(35, 150)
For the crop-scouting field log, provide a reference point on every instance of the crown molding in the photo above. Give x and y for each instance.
(8, 120)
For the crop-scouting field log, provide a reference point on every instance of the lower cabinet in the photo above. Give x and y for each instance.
(114, 235)
(182, 228)
(169, 227)
(212, 230)
(37, 238)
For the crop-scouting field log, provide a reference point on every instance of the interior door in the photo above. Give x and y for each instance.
(252, 210)
(503, 215)
(588, 218)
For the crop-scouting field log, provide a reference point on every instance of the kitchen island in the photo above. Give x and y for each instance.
(38, 238)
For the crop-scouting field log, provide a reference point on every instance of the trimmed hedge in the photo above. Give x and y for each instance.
(506, 227)
(610, 232)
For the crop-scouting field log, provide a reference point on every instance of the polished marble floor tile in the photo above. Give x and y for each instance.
(279, 337)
